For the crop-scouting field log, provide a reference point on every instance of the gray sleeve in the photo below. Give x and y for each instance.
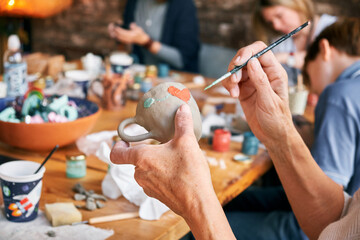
(170, 55)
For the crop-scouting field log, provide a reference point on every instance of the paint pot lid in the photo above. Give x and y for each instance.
(241, 158)
(76, 157)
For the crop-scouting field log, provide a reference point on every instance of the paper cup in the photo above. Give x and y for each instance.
(297, 101)
(21, 189)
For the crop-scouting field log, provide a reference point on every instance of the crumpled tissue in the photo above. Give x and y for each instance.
(120, 181)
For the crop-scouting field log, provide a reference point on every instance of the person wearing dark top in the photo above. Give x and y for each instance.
(161, 32)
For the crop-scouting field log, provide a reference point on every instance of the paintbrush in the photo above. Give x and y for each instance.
(109, 218)
(47, 158)
(271, 46)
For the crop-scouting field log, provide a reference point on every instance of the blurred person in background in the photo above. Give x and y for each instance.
(161, 31)
(273, 18)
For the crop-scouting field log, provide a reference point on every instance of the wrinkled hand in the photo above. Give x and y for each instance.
(135, 35)
(176, 172)
(262, 89)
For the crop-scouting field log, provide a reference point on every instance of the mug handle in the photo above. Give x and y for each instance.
(128, 138)
(91, 87)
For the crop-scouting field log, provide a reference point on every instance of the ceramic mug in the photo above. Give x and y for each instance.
(81, 78)
(120, 61)
(156, 113)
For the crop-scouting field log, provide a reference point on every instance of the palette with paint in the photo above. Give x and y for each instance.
(156, 113)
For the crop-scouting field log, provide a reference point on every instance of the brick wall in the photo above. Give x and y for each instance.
(83, 27)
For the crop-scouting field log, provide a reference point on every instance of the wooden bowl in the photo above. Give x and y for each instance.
(44, 136)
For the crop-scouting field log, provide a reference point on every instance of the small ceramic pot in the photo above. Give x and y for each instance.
(156, 113)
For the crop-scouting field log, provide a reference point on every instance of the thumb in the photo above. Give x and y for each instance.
(183, 121)
(121, 154)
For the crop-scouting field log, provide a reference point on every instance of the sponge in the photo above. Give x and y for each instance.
(62, 213)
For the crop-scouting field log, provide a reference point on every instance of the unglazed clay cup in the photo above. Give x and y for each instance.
(156, 113)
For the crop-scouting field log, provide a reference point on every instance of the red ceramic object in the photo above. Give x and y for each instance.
(44, 136)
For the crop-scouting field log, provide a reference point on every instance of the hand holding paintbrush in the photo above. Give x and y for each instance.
(271, 46)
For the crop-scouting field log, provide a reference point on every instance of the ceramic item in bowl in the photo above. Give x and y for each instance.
(44, 136)
(156, 113)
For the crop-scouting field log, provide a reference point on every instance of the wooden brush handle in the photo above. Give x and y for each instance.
(114, 217)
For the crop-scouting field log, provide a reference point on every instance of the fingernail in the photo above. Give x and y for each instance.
(237, 61)
(184, 108)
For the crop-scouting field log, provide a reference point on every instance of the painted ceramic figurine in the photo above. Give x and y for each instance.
(156, 112)
(114, 91)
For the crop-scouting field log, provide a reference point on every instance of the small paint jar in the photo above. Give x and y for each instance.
(250, 144)
(75, 166)
(146, 85)
(151, 71)
(133, 92)
(163, 70)
(221, 140)
(138, 78)
(116, 139)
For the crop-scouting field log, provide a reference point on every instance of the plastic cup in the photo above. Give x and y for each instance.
(297, 101)
(163, 70)
(21, 189)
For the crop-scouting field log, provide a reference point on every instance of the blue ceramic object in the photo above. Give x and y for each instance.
(250, 144)
(163, 70)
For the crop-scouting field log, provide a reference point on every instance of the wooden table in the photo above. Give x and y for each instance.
(228, 183)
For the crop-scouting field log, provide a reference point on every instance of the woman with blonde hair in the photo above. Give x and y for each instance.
(276, 17)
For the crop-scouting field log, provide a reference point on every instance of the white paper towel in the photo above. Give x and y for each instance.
(120, 181)
(38, 229)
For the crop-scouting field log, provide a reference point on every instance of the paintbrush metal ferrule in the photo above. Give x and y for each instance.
(226, 75)
(271, 46)
(78, 223)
